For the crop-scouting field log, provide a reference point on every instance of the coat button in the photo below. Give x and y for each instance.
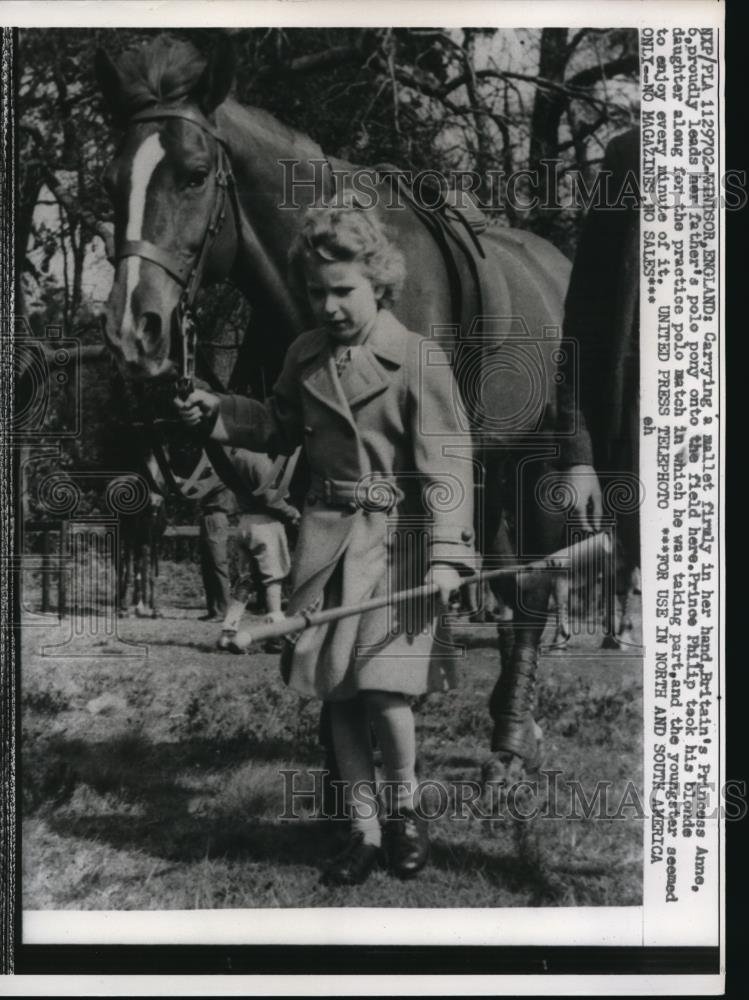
(312, 499)
(466, 534)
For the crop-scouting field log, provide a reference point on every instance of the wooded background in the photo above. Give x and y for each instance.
(477, 98)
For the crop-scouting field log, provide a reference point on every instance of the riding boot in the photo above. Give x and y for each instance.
(517, 747)
(505, 644)
(511, 705)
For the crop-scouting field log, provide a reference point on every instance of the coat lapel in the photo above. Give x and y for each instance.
(367, 375)
(370, 371)
(319, 377)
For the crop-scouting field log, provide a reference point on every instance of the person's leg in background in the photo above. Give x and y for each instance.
(269, 550)
(205, 569)
(242, 589)
(214, 539)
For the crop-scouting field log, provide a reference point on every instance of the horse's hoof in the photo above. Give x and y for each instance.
(238, 647)
(560, 642)
(611, 642)
(507, 791)
(225, 641)
(156, 614)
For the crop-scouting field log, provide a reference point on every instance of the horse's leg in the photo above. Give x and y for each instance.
(561, 592)
(141, 578)
(152, 570)
(610, 587)
(525, 531)
(124, 576)
(626, 575)
(510, 775)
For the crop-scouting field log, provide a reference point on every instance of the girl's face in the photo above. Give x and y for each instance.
(342, 297)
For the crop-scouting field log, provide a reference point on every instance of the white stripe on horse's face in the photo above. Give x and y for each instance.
(146, 159)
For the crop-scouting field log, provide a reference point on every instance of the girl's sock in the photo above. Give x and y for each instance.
(393, 722)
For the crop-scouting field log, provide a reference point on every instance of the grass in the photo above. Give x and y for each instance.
(168, 794)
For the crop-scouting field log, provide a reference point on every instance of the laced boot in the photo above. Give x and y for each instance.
(517, 740)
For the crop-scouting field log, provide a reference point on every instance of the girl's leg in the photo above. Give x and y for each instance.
(273, 598)
(393, 723)
(408, 837)
(353, 750)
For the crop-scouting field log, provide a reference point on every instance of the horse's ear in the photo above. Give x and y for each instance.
(218, 76)
(108, 78)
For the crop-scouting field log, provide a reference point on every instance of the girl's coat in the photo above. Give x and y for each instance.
(387, 430)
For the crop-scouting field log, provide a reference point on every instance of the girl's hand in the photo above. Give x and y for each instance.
(199, 406)
(447, 579)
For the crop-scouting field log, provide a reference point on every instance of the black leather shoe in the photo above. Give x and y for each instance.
(407, 844)
(354, 864)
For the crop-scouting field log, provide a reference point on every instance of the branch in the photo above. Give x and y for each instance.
(575, 40)
(570, 88)
(594, 74)
(338, 55)
(87, 220)
(584, 131)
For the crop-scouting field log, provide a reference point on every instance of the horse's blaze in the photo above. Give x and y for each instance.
(137, 322)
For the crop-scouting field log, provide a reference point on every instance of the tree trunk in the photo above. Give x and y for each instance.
(548, 108)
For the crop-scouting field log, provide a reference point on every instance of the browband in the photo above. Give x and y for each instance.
(156, 113)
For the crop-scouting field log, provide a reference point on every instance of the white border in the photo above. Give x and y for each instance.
(606, 926)
(350, 13)
(589, 925)
(325, 985)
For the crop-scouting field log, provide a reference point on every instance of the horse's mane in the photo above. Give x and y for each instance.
(166, 70)
(162, 71)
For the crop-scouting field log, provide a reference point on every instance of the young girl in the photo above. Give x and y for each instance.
(372, 408)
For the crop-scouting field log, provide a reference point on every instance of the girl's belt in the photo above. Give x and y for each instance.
(370, 493)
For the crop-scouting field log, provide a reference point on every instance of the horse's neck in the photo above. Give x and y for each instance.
(258, 146)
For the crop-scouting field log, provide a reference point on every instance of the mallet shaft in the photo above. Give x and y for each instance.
(578, 553)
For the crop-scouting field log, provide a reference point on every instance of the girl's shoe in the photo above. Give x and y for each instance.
(354, 864)
(407, 844)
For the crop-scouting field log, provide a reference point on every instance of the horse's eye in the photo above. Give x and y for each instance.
(197, 179)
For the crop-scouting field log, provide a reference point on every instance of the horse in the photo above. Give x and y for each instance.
(206, 189)
(140, 535)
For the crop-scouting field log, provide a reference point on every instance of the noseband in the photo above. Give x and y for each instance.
(188, 276)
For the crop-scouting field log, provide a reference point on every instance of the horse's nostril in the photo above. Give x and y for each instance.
(150, 329)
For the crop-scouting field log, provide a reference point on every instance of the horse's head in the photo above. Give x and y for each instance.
(167, 186)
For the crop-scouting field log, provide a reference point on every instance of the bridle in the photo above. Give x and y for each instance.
(188, 276)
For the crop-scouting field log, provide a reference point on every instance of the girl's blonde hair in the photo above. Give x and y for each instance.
(349, 233)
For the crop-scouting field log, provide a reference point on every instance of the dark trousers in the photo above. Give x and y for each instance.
(214, 561)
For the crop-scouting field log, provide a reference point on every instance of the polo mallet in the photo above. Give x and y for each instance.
(578, 554)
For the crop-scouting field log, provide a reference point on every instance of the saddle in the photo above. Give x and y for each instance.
(499, 366)
(455, 222)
